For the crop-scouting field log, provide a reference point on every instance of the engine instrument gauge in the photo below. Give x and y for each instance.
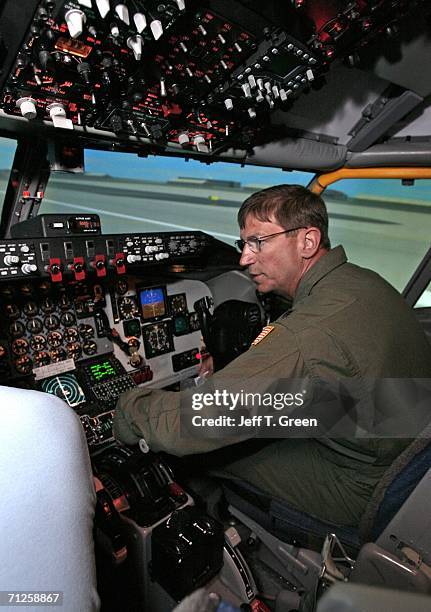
(16, 329)
(86, 330)
(12, 311)
(55, 339)
(20, 346)
(41, 358)
(51, 322)
(47, 305)
(90, 347)
(178, 303)
(74, 350)
(71, 334)
(30, 309)
(194, 321)
(64, 302)
(68, 319)
(158, 339)
(128, 308)
(24, 364)
(122, 286)
(38, 342)
(57, 354)
(26, 289)
(44, 288)
(35, 326)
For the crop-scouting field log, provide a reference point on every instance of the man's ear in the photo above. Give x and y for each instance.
(311, 242)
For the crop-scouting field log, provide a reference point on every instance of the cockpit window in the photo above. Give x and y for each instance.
(159, 194)
(383, 224)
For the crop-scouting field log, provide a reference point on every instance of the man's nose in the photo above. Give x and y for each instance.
(247, 256)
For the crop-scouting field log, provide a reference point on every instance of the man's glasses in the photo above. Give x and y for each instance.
(255, 244)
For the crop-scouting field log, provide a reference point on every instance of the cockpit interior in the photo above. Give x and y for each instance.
(130, 133)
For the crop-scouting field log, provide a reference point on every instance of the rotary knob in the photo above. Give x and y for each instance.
(28, 268)
(11, 260)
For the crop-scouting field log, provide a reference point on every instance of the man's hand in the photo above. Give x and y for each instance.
(206, 366)
(128, 413)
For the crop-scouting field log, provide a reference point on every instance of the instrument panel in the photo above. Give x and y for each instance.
(89, 332)
(189, 76)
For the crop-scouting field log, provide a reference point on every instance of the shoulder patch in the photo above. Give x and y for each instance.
(263, 334)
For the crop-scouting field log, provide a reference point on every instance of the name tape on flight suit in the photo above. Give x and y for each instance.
(263, 334)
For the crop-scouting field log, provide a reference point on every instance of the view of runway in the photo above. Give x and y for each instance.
(389, 237)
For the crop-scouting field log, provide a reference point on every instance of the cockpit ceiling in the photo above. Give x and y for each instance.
(302, 84)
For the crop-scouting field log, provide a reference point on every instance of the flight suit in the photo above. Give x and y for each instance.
(346, 323)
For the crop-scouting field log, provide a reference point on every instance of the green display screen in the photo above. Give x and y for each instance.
(101, 371)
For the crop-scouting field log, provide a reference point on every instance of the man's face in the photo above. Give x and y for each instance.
(278, 265)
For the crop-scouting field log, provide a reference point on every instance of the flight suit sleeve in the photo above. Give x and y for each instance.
(155, 415)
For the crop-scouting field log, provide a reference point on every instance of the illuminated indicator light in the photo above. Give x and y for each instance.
(198, 356)
(25, 194)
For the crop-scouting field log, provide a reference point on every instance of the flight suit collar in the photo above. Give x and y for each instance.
(333, 258)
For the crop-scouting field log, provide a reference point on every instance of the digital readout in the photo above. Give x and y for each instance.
(101, 371)
(153, 302)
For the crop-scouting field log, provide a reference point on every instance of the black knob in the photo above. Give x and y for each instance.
(100, 264)
(84, 70)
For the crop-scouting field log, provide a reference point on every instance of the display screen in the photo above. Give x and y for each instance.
(153, 302)
(66, 387)
(181, 325)
(158, 339)
(89, 224)
(99, 372)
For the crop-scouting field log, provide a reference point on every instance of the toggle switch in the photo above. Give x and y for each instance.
(75, 20)
(140, 22)
(199, 142)
(246, 89)
(57, 113)
(78, 268)
(251, 81)
(103, 6)
(135, 44)
(27, 107)
(123, 13)
(163, 92)
(183, 139)
(156, 28)
(115, 30)
(119, 263)
(54, 269)
(228, 104)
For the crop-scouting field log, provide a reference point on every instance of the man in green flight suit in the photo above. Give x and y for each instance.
(346, 323)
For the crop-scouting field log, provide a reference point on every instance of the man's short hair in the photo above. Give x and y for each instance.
(289, 206)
